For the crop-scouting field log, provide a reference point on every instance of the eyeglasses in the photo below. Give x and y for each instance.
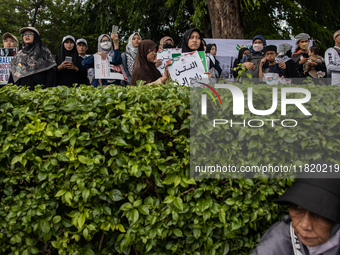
(27, 34)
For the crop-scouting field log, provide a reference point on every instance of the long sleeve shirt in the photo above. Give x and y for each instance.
(332, 60)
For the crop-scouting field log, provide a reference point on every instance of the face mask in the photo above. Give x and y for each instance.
(289, 53)
(304, 46)
(105, 45)
(257, 47)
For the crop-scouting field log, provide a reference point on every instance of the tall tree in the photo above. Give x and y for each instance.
(225, 19)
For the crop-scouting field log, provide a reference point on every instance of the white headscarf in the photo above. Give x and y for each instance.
(132, 50)
(108, 52)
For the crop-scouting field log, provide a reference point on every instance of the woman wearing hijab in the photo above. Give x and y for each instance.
(214, 65)
(285, 53)
(128, 57)
(34, 64)
(191, 41)
(105, 50)
(242, 52)
(166, 42)
(69, 69)
(312, 225)
(144, 68)
(253, 59)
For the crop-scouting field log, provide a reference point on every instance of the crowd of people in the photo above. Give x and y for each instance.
(34, 64)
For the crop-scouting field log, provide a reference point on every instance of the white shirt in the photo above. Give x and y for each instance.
(332, 60)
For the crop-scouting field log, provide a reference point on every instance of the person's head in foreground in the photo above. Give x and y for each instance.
(302, 42)
(312, 226)
(10, 41)
(270, 52)
(82, 46)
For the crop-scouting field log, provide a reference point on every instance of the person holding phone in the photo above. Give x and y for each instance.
(105, 50)
(70, 70)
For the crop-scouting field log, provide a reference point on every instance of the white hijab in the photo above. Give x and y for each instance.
(130, 49)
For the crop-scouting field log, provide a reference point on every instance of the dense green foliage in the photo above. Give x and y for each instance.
(155, 19)
(106, 171)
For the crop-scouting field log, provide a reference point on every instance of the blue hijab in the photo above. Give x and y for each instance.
(252, 51)
(261, 37)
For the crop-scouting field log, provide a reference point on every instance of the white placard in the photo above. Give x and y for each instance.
(167, 54)
(274, 79)
(102, 69)
(187, 69)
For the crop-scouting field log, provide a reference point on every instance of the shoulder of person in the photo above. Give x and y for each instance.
(276, 240)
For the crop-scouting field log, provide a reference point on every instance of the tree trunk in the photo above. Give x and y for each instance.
(225, 19)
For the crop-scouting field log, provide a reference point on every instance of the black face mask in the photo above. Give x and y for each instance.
(305, 55)
(168, 46)
(289, 53)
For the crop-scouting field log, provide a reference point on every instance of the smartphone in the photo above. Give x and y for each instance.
(68, 59)
(115, 29)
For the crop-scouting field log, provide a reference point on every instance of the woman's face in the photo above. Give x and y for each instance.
(245, 52)
(135, 40)
(69, 44)
(311, 229)
(151, 57)
(28, 36)
(105, 39)
(194, 41)
(213, 50)
(258, 41)
(9, 42)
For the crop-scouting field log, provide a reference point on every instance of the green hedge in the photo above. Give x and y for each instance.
(106, 171)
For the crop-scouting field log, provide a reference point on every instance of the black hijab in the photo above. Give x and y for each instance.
(184, 42)
(142, 68)
(209, 46)
(240, 54)
(33, 58)
(72, 53)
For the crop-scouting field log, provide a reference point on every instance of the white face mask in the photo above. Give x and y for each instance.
(105, 45)
(257, 47)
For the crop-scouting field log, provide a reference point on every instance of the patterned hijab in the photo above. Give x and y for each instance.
(33, 58)
(108, 52)
(130, 49)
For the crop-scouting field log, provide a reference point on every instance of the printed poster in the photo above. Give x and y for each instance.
(6, 55)
(166, 55)
(104, 70)
(188, 69)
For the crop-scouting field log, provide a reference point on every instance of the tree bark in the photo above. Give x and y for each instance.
(225, 19)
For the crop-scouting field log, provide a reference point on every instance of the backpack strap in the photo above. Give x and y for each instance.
(337, 50)
(295, 241)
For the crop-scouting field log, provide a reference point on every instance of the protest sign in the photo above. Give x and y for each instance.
(104, 70)
(167, 54)
(187, 69)
(6, 55)
(274, 79)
